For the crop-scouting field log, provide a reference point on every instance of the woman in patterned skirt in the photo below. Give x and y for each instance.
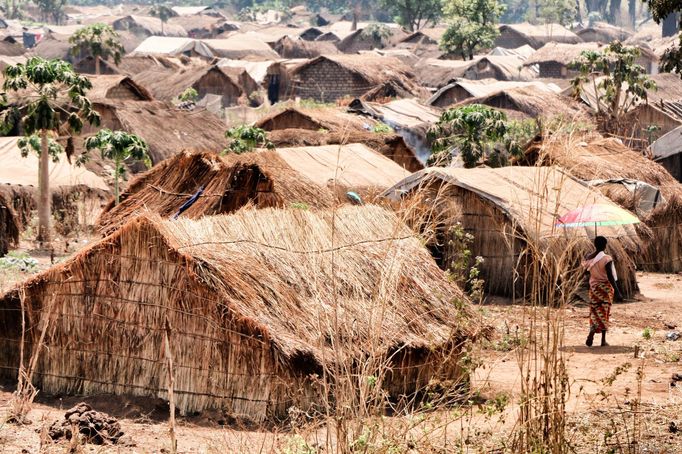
(603, 288)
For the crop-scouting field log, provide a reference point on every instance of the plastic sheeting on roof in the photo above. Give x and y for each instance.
(171, 46)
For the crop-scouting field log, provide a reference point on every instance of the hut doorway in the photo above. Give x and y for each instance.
(273, 88)
(249, 184)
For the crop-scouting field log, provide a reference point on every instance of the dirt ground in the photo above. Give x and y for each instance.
(597, 411)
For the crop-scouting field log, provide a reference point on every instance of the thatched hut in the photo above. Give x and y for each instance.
(207, 80)
(512, 213)
(331, 77)
(370, 37)
(603, 32)
(393, 146)
(9, 226)
(246, 302)
(288, 47)
(465, 89)
(147, 26)
(166, 129)
(516, 35)
(316, 176)
(271, 76)
(331, 119)
(117, 87)
(618, 172)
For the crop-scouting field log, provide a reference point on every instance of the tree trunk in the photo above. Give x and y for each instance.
(97, 65)
(578, 14)
(356, 13)
(117, 164)
(44, 190)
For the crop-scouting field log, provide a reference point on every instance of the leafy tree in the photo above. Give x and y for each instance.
(119, 146)
(189, 95)
(472, 26)
(163, 13)
(671, 60)
(53, 9)
(474, 130)
(50, 89)
(32, 143)
(556, 11)
(615, 78)
(515, 11)
(100, 41)
(414, 14)
(243, 139)
(13, 9)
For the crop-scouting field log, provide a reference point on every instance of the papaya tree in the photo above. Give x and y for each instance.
(119, 146)
(474, 131)
(243, 139)
(100, 41)
(50, 90)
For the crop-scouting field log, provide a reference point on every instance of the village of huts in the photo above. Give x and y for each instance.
(378, 227)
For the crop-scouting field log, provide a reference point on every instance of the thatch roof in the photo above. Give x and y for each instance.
(531, 199)
(668, 88)
(565, 53)
(151, 26)
(287, 47)
(500, 67)
(603, 32)
(523, 103)
(8, 49)
(392, 146)
(485, 87)
(400, 114)
(595, 158)
(250, 300)
(167, 84)
(436, 73)
(166, 130)
(375, 70)
(539, 35)
(103, 87)
(332, 119)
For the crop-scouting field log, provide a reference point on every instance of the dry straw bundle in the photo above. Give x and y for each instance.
(256, 302)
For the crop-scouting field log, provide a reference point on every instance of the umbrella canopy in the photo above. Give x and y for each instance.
(596, 215)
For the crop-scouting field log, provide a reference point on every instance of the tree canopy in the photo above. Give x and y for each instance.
(472, 26)
(414, 14)
(100, 41)
(243, 139)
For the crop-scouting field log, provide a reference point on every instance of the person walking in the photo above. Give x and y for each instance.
(603, 289)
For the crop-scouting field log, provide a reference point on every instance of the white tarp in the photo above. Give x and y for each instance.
(171, 46)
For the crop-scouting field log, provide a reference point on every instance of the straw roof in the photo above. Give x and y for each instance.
(167, 84)
(603, 32)
(392, 146)
(504, 67)
(668, 88)
(103, 87)
(253, 295)
(565, 53)
(328, 118)
(523, 103)
(8, 49)
(375, 70)
(485, 87)
(288, 47)
(539, 35)
(152, 26)
(166, 130)
(436, 73)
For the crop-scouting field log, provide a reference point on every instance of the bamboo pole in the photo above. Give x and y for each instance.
(171, 384)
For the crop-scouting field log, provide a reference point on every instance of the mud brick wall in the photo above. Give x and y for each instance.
(326, 81)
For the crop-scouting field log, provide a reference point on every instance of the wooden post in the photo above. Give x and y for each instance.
(171, 384)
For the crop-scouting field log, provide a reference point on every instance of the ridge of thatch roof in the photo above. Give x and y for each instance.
(166, 130)
(230, 183)
(279, 272)
(103, 84)
(392, 146)
(288, 47)
(168, 85)
(538, 35)
(604, 30)
(485, 87)
(526, 102)
(314, 118)
(668, 88)
(565, 53)
(153, 26)
(374, 69)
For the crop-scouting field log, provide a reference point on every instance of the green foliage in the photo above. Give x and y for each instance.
(382, 128)
(515, 11)
(556, 12)
(50, 82)
(98, 40)
(51, 9)
(461, 270)
(377, 32)
(18, 261)
(648, 333)
(613, 73)
(190, 94)
(28, 144)
(472, 26)
(298, 445)
(299, 206)
(161, 12)
(119, 146)
(243, 139)
(474, 130)
(414, 14)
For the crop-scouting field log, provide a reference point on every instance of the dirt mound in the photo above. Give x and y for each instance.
(95, 427)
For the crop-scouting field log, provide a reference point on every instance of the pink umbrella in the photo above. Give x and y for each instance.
(597, 214)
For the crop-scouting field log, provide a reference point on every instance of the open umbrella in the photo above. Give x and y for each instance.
(596, 215)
